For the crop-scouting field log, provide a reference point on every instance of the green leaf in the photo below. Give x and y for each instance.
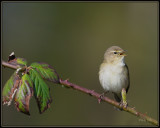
(21, 61)
(46, 71)
(18, 61)
(13, 60)
(24, 93)
(41, 91)
(10, 88)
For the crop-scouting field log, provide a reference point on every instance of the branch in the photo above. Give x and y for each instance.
(106, 99)
(66, 83)
(6, 64)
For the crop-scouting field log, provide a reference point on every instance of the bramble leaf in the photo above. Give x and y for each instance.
(24, 93)
(11, 57)
(41, 91)
(21, 61)
(46, 71)
(10, 88)
(16, 61)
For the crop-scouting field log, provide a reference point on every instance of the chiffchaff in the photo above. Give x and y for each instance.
(114, 74)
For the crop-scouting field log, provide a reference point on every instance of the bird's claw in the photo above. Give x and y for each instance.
(123, 104)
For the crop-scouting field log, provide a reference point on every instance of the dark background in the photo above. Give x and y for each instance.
(72, 37)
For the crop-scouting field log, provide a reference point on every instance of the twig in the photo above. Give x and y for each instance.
(106, 99)
(6, 64)
(97, 95)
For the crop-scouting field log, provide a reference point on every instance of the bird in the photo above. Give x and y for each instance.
(114, 73)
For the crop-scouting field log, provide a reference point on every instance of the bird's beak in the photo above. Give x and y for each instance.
(123, 54)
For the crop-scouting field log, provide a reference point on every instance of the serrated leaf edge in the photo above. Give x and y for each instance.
(13, 90)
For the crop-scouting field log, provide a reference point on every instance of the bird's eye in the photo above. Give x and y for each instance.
(115, 52)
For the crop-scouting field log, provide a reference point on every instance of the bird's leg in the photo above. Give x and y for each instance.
(101, 96)
(124, 98)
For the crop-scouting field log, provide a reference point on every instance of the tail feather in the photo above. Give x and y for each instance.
(118, 98)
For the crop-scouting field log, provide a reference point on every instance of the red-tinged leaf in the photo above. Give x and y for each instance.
(24, 93)
(41, 91)
(46, 71)
(16, 61)
(10, 88)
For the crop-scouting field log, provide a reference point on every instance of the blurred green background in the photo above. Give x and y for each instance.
(72, 37)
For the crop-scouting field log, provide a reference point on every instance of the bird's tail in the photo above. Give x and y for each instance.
(117, 97)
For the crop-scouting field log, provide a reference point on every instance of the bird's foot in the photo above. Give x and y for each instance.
(123, 104)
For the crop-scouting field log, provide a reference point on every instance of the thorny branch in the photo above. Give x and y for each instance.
(97, 95)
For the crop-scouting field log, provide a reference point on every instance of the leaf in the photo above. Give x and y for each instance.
(16, 61)
(24, 93)
(46, 71)
(10, 88)
(11, 56)
(21, 61)
(41, 91)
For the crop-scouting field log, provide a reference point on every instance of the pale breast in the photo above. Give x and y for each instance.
(113, 77)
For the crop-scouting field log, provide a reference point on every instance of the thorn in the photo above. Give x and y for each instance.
(100, 98)
(67, 80)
